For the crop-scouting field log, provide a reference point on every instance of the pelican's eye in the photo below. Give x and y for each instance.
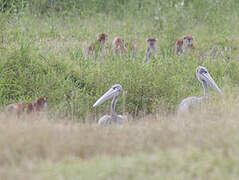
(203, 71)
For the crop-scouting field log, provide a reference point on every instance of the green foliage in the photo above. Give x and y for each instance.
(121, 8)
(13, 6)
(43, 55)
(173, 164)
(74, 87)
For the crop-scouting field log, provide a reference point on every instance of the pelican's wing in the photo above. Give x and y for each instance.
(122, 119)
(106, 119)
(188, 103)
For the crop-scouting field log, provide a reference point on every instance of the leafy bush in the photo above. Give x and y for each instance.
(43, 56)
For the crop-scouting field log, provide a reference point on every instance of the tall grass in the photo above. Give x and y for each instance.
(44, 57)
(43, 54)
(198, 145)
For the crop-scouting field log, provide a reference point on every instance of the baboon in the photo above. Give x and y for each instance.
(98, 47)
(179, 47)
(188, 42)
(184, 44)
(119, 46)
(151, 47)
(27, 107)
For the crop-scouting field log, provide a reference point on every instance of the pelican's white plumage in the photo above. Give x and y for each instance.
(194, 102)
(114, 92)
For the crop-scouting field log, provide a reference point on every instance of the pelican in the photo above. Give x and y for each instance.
(194, 102)
(114, 92)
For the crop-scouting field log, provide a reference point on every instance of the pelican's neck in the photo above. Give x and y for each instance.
(113, 103)
(205, 86)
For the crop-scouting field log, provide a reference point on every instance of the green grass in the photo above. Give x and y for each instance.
(173, 164)
(43, 56)
(42, 46)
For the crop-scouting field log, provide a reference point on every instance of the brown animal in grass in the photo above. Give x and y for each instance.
(98, 47)
(179, 47)
(118, 46)
(184, 44)
(151, 47)
(27, 107)
(188, 42)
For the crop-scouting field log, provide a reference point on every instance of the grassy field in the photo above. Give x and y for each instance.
(42, 46)
(198, 146)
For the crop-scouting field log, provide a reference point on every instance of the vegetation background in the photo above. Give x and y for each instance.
(42, 45)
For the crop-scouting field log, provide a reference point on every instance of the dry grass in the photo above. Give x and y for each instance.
(27, 144)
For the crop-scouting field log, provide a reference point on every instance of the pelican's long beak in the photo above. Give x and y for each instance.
(212, 83)
(109, 94)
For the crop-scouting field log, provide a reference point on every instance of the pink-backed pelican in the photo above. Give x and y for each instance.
(114, 92)
(194, 102)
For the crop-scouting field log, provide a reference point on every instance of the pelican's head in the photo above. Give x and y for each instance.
(113, 91)
(204, 77)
